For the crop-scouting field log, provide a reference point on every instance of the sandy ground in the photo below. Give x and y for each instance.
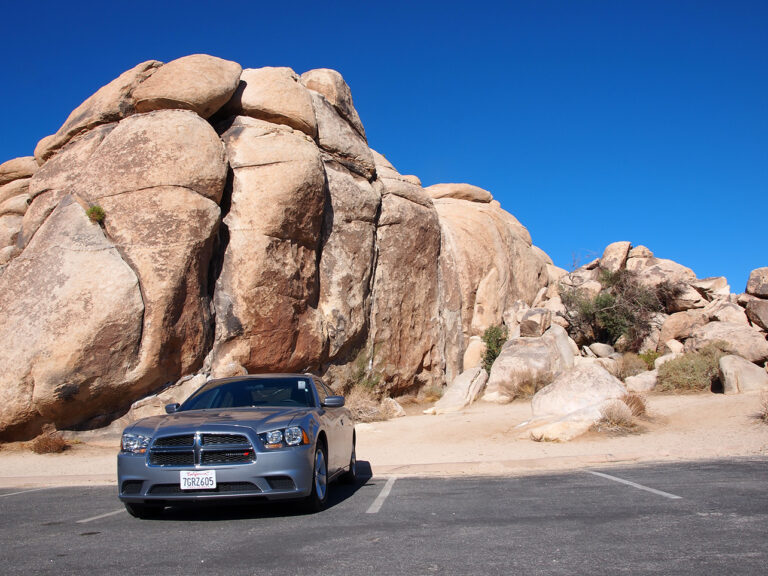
(485, 439)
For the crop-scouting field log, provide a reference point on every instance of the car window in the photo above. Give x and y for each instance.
(293, 391)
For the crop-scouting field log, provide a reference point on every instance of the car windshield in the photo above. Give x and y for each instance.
(292, 391)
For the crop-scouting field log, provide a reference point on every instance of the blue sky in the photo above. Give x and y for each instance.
(590, 121)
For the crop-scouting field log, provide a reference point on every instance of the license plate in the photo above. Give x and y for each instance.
(198, 479)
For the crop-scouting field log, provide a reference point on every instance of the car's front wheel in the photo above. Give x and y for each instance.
(350, 476)
(318, 498)
(143, 510)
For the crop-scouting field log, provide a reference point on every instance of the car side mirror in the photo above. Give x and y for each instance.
(333, 402)
(171, 408)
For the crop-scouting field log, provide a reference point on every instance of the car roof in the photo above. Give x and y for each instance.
(263, 377)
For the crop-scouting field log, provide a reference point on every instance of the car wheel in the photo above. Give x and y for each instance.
(350, 476)
(144, 510)
(318, 498)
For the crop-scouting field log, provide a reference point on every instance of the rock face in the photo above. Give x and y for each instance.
(248, 227)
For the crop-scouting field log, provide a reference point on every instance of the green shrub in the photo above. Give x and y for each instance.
(363, 374)
(624, 308)
(96, 213)
(494, 338)
(699, 370)
(649, 358)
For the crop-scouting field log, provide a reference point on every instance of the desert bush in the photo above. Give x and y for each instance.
(649, 358)
(529, 382)
(494, 338)
(635, 402)
(362, 373)
(364, 405)
(49, 442)
(624, 308)
(631, 364)
(699, 370)
(96, 213)
(615, 417)
(431, 393)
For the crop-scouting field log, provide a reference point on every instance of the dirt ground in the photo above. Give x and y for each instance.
(484, 439)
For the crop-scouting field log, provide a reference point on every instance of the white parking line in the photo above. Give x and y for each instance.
(634, 485)
(23, 492)
(379, 502)
(100, 516)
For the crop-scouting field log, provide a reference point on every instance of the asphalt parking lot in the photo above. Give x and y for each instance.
(693, 518)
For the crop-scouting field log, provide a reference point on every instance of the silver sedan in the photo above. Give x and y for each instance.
(276, 436)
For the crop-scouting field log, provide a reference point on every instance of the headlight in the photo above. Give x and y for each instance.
(292, 436)
(135, 443)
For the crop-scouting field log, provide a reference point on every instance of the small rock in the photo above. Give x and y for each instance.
(602, 350)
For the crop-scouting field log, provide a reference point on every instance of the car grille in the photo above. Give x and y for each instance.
(208, 449)
(216, 439)
(131, 487)
(223, 487)
(281, 483)
(185, 440)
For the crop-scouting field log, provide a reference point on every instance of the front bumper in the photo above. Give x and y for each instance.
(281, 474)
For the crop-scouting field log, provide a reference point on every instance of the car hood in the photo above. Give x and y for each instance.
(258, 419)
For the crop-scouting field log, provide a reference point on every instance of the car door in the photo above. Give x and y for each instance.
(335, 418)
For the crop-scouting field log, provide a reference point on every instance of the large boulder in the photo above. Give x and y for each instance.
(584, 389)
(740, 375)
(713, 288)
(460, 192)
(462, 392)
(724, 311)
(757, 285)
(528, 363)
(643, 382)
(680, 325)
(615, 256)
(72, 309)
(743, 341)
(330, 84)
(17, 168)
(198, 82)
(274, 95)
(162, 148)
(110, 103)
(266, 294)
(757, 312)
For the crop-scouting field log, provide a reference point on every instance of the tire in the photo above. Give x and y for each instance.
(318, 498)
(144, 511)
(350, 476)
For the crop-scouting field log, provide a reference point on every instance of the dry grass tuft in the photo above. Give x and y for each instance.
(616, 418)
(542, 438)
(49, 442)
(631, 364)
(636, 403)
(529, 382)
(364, 405)
(407, 399)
